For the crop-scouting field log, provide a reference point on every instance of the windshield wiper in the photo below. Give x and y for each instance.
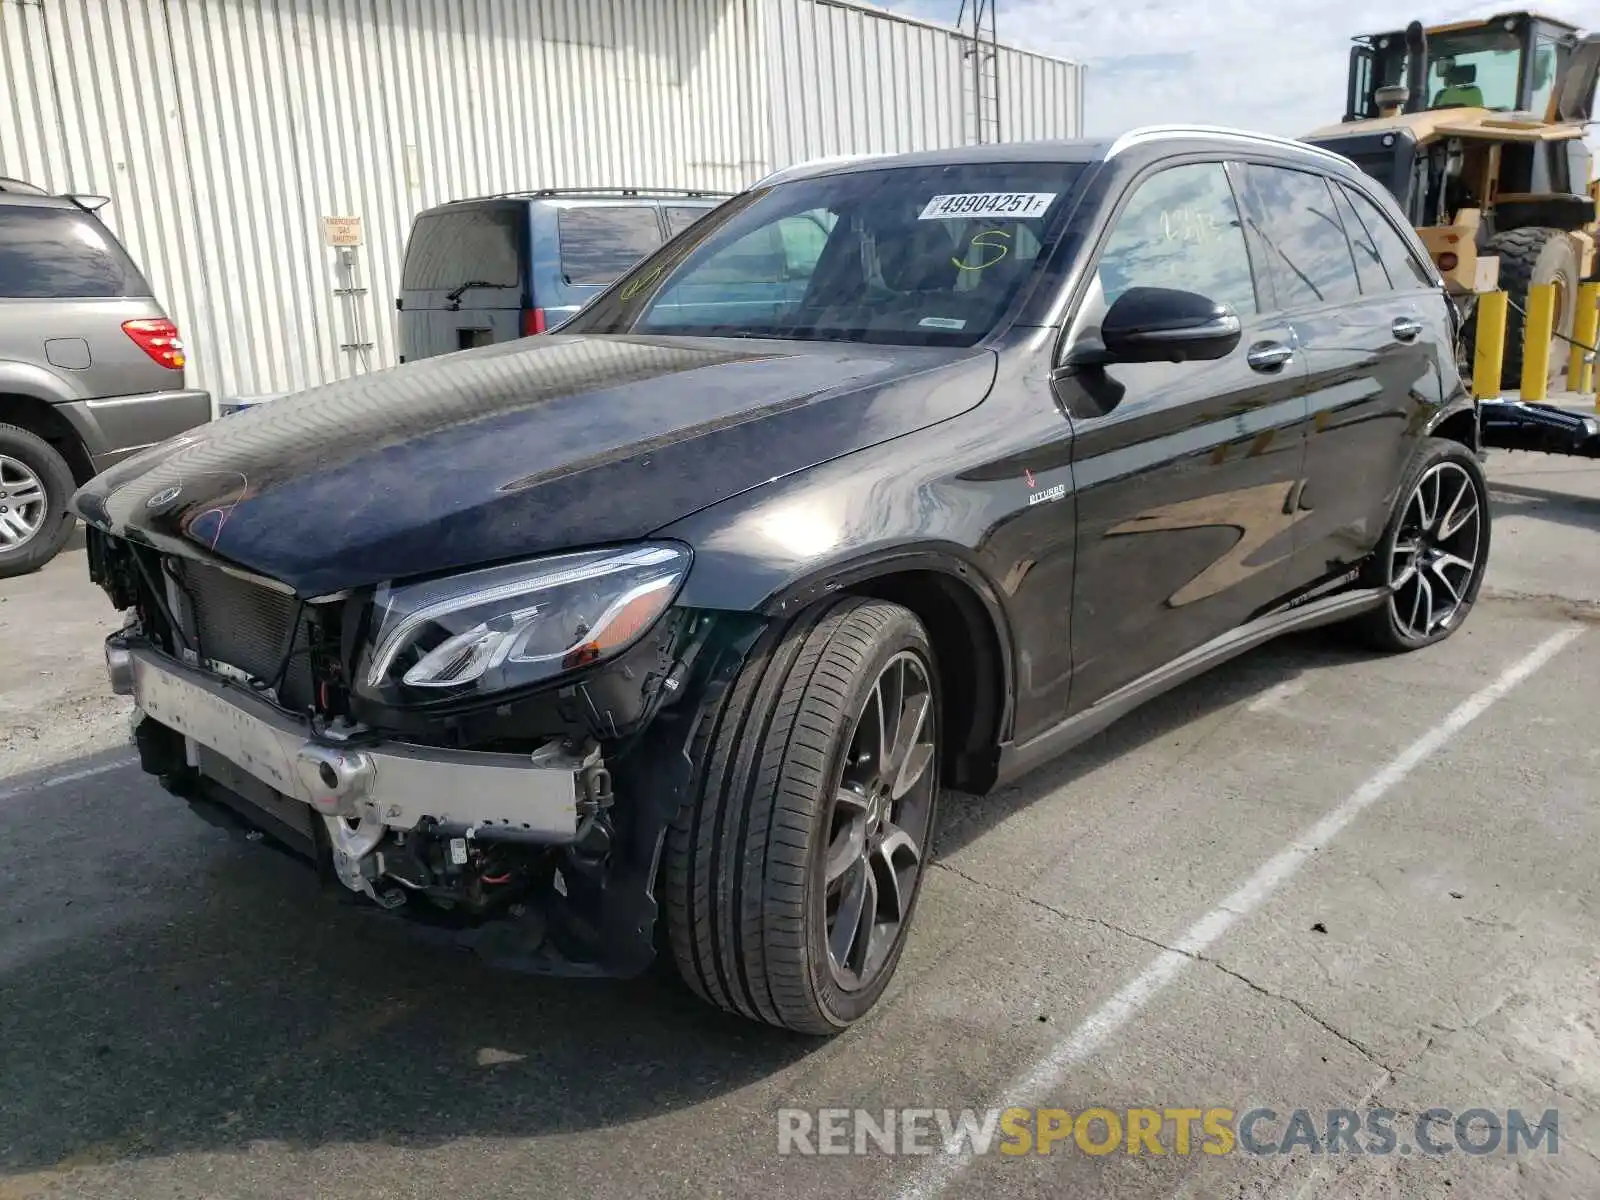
(455, 296)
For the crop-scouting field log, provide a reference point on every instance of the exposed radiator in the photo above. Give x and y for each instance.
(246, 626)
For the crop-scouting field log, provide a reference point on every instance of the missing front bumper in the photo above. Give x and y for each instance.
(394, 785)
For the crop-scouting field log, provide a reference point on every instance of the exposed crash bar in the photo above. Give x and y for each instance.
(528, 797)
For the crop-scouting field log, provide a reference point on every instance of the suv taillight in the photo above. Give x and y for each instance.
(532, 321)
(159, 339)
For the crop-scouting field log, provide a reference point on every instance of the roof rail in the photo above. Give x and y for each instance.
(824, 160)
(1156, 133)
(648, 193)
(21, 186)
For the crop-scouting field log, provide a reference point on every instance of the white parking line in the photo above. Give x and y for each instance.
(69, 777)
(1036, 1086)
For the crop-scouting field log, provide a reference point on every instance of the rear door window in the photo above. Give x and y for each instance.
(599, 244)
(48, 253)
(1405, 272)
(681, 216)
(1307, 251)
(473, 245)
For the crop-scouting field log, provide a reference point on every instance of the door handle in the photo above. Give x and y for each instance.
(1268, 356)
(1406, 329)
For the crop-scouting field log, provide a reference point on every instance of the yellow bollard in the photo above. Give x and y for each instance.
(1489, 352)
(1585, 325)
(1538, 327)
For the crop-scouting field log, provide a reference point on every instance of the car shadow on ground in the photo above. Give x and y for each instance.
(170, 988)
(1563, 508)
(963, 819)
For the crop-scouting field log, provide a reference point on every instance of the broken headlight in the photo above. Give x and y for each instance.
(508, 626)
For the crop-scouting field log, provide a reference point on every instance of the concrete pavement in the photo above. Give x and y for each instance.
(184, 1015)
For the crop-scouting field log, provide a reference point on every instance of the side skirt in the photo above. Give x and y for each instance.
(1018, 759)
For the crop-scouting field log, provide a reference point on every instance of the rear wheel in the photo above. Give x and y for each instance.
(1433, 554)
(1530, 256)
(791, 879)
(35, 485)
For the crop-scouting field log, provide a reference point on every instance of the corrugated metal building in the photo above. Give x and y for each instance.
(225, 130)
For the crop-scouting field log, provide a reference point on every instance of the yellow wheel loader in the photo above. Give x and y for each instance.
(1477, 127)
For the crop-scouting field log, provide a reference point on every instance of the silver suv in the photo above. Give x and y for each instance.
(91, 367)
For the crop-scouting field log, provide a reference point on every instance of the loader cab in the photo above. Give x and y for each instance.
(1512, 62)
(1482, 115)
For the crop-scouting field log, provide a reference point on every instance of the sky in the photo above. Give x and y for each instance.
(1274, 65)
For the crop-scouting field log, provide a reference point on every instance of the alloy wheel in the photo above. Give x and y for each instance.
(1436, 551)
(879, 822)
(23, 503)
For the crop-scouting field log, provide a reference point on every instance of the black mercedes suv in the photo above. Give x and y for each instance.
(664, 632)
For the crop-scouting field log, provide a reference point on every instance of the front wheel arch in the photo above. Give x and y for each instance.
(971, 634)
(976, 693)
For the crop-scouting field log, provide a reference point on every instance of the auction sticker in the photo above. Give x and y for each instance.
(987, 204)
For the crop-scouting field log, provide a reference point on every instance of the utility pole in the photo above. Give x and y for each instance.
(980, 86)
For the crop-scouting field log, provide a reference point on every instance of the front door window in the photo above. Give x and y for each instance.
(1181, 230)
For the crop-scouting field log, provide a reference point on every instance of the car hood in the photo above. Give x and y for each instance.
(517, 449)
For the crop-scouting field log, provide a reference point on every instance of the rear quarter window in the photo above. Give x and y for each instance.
(599, 244)
(1405, 272)
(1369, 263)
(476, 245)
(56, 253)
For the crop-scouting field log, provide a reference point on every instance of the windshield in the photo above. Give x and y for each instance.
(928, 255)
(1476, 69)
(1473, 68)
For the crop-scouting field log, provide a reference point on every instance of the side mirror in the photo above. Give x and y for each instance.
(1165, 325)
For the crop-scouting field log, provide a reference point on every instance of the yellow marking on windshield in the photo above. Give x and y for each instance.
(639, 283)
(980, 243)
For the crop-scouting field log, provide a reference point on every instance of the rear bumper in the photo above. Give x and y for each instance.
(119, 426)
(389, 784)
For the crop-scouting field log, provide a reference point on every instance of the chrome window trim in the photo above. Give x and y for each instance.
(1161, 133)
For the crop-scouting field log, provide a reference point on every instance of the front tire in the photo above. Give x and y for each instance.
(1434, 551)
(791, 878)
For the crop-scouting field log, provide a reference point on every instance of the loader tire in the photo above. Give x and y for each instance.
(1528, 256)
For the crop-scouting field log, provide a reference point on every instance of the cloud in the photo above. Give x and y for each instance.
(1279, 67)
(1158, 64)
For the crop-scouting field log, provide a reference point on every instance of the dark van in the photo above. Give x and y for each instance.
(495, 268)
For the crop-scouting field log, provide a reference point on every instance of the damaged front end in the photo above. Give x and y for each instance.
(511, 742)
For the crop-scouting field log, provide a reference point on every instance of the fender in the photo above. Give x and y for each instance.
(51, 406)
(779, 592)
(944, 558)
(36, 383)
